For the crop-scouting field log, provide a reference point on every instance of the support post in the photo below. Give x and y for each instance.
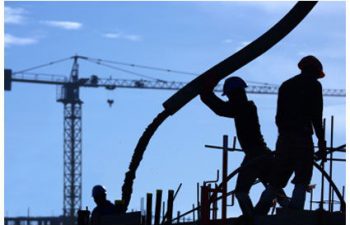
(330, 191)
(158, 207)
(198, 202)
(322, 166)
(205, 206)
(343, 194)
(169, 215)
(215, 204)
(149, 209)
(224, 178)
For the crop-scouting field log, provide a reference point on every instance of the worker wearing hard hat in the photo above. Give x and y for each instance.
(104, 207)
(299, 115)
(245, 115)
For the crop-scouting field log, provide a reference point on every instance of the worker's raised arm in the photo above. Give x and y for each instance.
(216, 104)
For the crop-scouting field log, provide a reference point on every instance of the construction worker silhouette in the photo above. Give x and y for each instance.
(299, 113)
(104, 207)
(245, 115)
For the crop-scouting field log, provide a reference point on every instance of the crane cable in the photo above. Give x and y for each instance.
(101, 62)
(216, 73)
(125, 71)
(43, 65)
(98, 61)
(140, 66)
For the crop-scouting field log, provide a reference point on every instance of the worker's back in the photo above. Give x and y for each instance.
(299, 100)
(248, 129)
(103, 209)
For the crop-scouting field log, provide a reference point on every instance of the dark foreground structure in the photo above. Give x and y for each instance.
(289, 218)
(282, 217)
(206, 209)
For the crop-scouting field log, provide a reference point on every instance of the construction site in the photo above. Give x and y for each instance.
(150, 183)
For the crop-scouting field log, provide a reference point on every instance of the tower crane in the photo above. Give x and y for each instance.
(70, 98)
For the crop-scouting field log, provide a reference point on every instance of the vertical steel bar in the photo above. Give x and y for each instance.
(169, 215)
(331, 195)
(205, 206)
(224, 178)
(332, 199)
(149, 209)
(198, 203)
(215, 203)
(322, 166)
(343, 194)
(158, 207)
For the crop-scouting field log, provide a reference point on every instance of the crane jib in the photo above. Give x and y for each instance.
(112, 83)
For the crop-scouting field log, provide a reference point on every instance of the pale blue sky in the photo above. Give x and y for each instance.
(187, 36)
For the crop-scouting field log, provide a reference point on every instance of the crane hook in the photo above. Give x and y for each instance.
(110, 102)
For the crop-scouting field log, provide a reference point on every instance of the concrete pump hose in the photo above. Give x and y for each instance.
(218, 72)
(137, 157)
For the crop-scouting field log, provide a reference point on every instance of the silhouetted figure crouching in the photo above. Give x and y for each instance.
(104, 207)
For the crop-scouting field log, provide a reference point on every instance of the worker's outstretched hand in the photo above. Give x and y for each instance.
(321, 154)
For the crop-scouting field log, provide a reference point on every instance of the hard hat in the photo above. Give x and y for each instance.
(98, 190)
(311, 63)
(233, 83)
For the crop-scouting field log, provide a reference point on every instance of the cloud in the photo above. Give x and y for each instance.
(111, 35)
(67, 25)
(13, 40)
(132, 37)
(120, 35)
(244, 43)
(227, 41)
(14, 15)
(241, 45)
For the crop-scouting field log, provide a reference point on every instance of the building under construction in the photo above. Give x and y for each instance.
(213, 195)
(213, 198)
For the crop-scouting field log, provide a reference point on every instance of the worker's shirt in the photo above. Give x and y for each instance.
(299, 106)
(107, 208)
(246, 121)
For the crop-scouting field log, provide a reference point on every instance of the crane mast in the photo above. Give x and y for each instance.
(72, 175)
